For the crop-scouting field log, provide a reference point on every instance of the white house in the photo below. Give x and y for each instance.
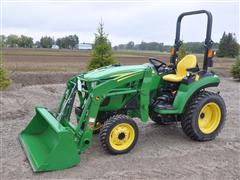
(85, 46)
(55, 46)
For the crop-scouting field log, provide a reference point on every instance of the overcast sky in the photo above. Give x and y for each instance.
(137, 21)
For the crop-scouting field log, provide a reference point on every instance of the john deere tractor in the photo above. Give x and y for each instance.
(110, 97)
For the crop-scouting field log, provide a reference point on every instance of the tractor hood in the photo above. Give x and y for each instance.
(112, 71)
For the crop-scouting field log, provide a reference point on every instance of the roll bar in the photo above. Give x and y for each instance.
(208, 41)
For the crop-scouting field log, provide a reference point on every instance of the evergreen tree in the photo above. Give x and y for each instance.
(4, 79)
(235, 71)
(228, 46)
(102, 54)
(181, 53)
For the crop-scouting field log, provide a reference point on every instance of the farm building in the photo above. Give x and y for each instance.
(55, 47)
(85, 46)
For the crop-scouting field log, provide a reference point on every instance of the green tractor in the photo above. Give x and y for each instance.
(111, 96)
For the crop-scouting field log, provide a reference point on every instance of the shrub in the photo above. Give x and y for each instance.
(236, 69)
(4, 79)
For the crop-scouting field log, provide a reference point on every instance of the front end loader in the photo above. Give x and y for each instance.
(109, 97)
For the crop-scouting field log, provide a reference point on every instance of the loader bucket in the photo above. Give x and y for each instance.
(48, 144)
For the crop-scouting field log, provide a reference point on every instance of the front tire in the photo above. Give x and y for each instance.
(204, 116)
(119, 134)
(104, 116)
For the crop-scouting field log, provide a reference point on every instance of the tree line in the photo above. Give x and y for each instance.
(143, 46)
(68, 42)
(227, 47)
(191, 47)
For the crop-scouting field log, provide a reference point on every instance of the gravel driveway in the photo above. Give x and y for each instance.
(162, 152)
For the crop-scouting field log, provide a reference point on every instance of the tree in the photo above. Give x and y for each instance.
(25, 42)
(181, 53)
(68, 42)
(121, 46)
(130, 45)
(12, 40)
(63, 43)
(73, 41)
(153, 46)
(228, 46)
(37, 44)
(102, 54)
(59, 43)
(235, 71)
(194, 47)
(46, 42)
(4, 79)
(3, 40)
(142, 46)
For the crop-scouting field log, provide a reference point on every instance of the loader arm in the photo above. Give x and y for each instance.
(52, 142)
(87, 119)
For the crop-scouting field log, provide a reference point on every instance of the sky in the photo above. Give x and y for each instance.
(123, 21)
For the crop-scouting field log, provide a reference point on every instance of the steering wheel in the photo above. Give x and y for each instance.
(157, 63)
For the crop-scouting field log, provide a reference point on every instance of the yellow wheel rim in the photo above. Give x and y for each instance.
(122, 136)
(209, 118)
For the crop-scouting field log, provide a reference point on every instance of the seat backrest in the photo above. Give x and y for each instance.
(189, 61)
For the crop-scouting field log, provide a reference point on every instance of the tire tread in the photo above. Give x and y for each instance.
(190, 111)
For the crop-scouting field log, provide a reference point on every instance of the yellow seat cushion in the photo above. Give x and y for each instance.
(173, 78)
(188, 62)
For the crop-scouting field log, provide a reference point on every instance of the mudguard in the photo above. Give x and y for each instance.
(186, 91)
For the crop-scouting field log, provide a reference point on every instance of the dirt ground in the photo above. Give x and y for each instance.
(47, 66)
(40, 60)
(162, 152)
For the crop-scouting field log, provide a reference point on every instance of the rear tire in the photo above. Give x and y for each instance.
(204, 116)
(119, 134)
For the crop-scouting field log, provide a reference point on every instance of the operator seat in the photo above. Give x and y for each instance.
(188, 62)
